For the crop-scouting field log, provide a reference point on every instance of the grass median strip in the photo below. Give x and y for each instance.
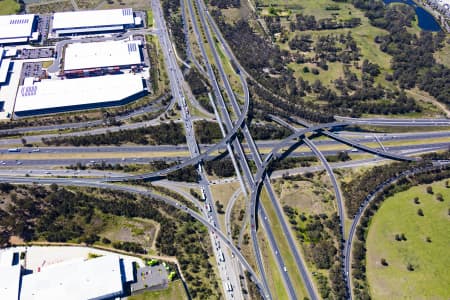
(283, 246)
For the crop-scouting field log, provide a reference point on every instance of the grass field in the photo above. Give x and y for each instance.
(223, 192)
(149, 18)
(430, 260)
(9, 7)
(175, 291)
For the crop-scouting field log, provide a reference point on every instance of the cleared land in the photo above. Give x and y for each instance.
(141, 231)
(312, 197)
(430, 259)
(136, 4)
(37, 8)
(88, 4)
(175, 291)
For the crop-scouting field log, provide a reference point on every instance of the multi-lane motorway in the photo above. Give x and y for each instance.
(227, 274)
(192, 154)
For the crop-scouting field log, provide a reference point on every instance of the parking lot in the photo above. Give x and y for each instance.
(43, 26)
(35, 53)
(32, 69)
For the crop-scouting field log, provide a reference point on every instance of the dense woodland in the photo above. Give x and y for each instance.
(172, 15)
(207, 132)
(59, 214)
(268, 131)
(199, 87)
(222, 167)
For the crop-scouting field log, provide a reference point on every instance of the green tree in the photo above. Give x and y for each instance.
(420, 212)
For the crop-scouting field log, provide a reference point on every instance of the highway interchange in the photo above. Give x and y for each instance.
(226, 106)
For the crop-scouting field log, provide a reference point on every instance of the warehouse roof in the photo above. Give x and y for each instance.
(92, 18)
(4, 65)
(14, 28)
(9, 276)
(102, 54)
(96, 278)
(50, 94)
(4, 68)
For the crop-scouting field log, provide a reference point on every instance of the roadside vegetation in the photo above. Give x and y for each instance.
(173, 17)
(315, 223)
(199, 87)
(166, 133)
(60, 214)
(288, 256)
(355, 190)
(207, 132)
(221, 167)
(268, 131)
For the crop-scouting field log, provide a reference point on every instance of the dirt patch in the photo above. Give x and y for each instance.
(312, 197)
(136, 230)
(15, 240)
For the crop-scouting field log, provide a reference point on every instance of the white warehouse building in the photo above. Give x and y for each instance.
(5, 64)
(53, 96)
(16, 29)
(93, 21)
(82, 56)
(99, 278)
(104, 277)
